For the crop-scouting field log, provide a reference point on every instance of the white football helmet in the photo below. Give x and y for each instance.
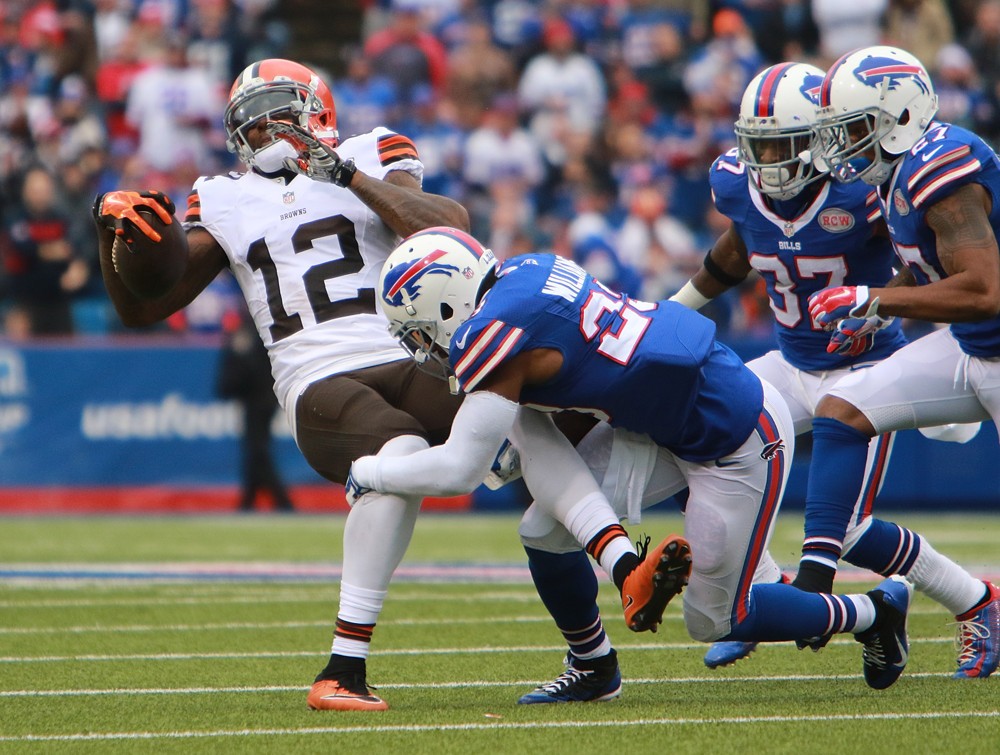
(878, 100)
(430, 284)
(277, 89)
(775, 130)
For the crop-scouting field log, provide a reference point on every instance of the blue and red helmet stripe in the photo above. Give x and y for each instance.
(824, 92)
(766, 89)
(460, 236)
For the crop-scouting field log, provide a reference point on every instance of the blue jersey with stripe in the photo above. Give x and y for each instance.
(946, 158)
(649, 368)
(826, 240)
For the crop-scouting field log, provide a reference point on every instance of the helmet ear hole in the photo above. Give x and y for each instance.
(446, 312)
(904, 117)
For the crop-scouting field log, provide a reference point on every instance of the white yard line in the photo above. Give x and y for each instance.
(437, 728)
(394, 652)
(441, 685)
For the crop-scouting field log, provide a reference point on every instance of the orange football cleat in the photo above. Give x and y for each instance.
(659, 576)
(346, 694)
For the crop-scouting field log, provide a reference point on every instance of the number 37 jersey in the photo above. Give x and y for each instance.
(649, 368)
(307, 256)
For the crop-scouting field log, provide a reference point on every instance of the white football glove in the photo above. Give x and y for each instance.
(317, 160)
(506, 467)
(360, 470)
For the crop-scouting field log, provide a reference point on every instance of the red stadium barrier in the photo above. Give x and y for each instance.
(311, 499)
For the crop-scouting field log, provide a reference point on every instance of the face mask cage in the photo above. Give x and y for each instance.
(419, 338)
(846, 138)
(284, 101)
(781, 162)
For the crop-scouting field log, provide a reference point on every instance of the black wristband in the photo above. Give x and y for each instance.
(344, 172)
(718, 273)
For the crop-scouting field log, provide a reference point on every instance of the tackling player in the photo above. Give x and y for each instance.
(802, 232)
(939, 190)
(540, 332)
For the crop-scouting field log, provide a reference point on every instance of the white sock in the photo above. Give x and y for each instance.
(865, 608)
(944, 581)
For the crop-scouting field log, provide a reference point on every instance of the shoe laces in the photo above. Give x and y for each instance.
(873, 653)
(565, 680)
(642, 546)
(970, 632)
(356, 684)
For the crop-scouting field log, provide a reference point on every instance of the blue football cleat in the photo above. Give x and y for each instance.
(979, 638)
(583, 681)
(886, 646)
(727, 653)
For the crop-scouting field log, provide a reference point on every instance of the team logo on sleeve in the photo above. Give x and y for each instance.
(871, 71)
(403, 283)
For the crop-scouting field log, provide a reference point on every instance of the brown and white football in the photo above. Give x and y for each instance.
(148, 268)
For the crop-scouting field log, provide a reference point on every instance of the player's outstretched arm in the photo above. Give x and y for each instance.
(457, 466)
(204, 261)
(726, 265)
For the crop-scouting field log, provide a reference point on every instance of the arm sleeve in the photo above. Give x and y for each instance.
(553, 470)
(456, 467)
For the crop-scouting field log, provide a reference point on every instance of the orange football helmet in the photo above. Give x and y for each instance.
(277, 89)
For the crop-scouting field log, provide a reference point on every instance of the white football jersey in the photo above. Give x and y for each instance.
(308, 256)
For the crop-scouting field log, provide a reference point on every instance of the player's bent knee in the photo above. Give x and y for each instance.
(834, 407)
(403, 445)
(541, 531)
(854, 534)
(703, 627)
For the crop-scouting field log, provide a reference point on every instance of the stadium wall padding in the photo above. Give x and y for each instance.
(133, 425)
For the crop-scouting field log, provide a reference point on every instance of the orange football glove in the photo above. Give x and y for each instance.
(115, 207)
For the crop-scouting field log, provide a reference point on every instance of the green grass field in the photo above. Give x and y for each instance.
(215, 651)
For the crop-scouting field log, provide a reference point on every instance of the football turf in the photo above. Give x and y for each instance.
(202, 634)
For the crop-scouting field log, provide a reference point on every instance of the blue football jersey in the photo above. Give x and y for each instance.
(944, 159)
(828, 241)
(652, 368)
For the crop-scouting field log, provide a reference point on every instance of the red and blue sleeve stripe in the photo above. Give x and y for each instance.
(491, 347)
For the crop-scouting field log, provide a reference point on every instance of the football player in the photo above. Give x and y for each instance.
(938, 186)
(306, 251)
(802, 232)
(540, 332)
(305, 231)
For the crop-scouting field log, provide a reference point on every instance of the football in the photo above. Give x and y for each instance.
(148, 268)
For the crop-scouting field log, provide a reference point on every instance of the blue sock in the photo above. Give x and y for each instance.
(779, 612)
(567, 585)
(836, 475)
(885, 548)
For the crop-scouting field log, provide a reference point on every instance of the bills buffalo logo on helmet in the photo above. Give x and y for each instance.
(871, 71)
(811, 85)
(402, 283)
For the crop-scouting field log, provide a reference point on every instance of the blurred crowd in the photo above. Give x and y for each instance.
(584, 127)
